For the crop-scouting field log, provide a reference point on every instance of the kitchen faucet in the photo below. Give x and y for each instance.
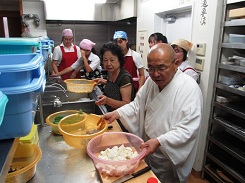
(58, 86)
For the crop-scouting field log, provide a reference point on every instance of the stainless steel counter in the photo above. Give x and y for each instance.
(62, 163)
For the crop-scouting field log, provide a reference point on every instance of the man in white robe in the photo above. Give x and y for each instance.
(166, 113)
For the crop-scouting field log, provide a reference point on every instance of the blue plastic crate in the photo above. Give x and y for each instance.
(3, 102)
(51, 44)
(18, 117)
(45, 52)
(19, 45)
(45, 42)
(19, 69)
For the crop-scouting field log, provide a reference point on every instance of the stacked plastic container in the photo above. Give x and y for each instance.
(24, 148)
(22, 77)
(3, 103)
(46, 47)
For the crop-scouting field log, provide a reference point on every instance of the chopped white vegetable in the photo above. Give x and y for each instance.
(118, 153)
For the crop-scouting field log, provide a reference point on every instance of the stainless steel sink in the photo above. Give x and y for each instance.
(55, 99)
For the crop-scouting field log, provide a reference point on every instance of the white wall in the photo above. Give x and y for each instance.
(148, 21)
(183, 22)
(208, 33)
(35, 7)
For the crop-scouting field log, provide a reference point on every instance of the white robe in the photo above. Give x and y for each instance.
(173, 116)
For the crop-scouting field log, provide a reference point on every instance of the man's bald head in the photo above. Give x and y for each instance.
(162, 64)
(163, 49)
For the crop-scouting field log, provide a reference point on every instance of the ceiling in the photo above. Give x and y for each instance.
(14, 1)
(112, 1)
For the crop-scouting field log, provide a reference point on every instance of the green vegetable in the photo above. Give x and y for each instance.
(70, 120)
(57, 119)
(73, 119)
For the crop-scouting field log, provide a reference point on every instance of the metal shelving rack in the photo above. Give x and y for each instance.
(225, 148)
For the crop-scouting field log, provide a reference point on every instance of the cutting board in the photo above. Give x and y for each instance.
(141, 179)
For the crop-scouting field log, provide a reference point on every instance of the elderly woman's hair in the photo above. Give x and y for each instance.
(114, 49)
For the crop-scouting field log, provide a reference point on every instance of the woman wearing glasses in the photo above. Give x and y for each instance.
(181, 48)
(65, 55)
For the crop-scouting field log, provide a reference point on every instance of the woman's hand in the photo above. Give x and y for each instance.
(83, 54)
(150, 145)
(99, 81)
(73, 75)
(55, 74)
(56, 77)
(102, 100)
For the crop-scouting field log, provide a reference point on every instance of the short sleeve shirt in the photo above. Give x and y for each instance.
(57, 54)
(136, 57)
(94, 62)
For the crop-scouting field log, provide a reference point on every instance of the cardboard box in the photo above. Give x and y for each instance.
(237, 13)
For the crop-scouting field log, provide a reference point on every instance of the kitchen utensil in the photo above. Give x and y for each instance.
(96, 92)
(50, 119)
(80, 85)
(76, 135)
(22, 169)
(133, 175)
(98, 128)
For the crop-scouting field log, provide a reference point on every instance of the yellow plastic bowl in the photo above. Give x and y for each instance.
(77, 135)
(51, 117)
(26, 166)
(80, 85)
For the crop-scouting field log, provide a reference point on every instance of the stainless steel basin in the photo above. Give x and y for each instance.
(55, 100)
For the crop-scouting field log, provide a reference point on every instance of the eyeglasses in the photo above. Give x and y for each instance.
(177, 51)
(160, 69)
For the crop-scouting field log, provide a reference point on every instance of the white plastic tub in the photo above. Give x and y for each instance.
(236, 38)
(242, 62)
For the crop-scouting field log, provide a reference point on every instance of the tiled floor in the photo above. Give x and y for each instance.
(192, 179)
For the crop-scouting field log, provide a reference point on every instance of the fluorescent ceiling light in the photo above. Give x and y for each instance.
(99, 1)
(83, 1)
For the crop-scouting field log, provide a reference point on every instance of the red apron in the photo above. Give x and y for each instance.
(130, 66)
(68, 58)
